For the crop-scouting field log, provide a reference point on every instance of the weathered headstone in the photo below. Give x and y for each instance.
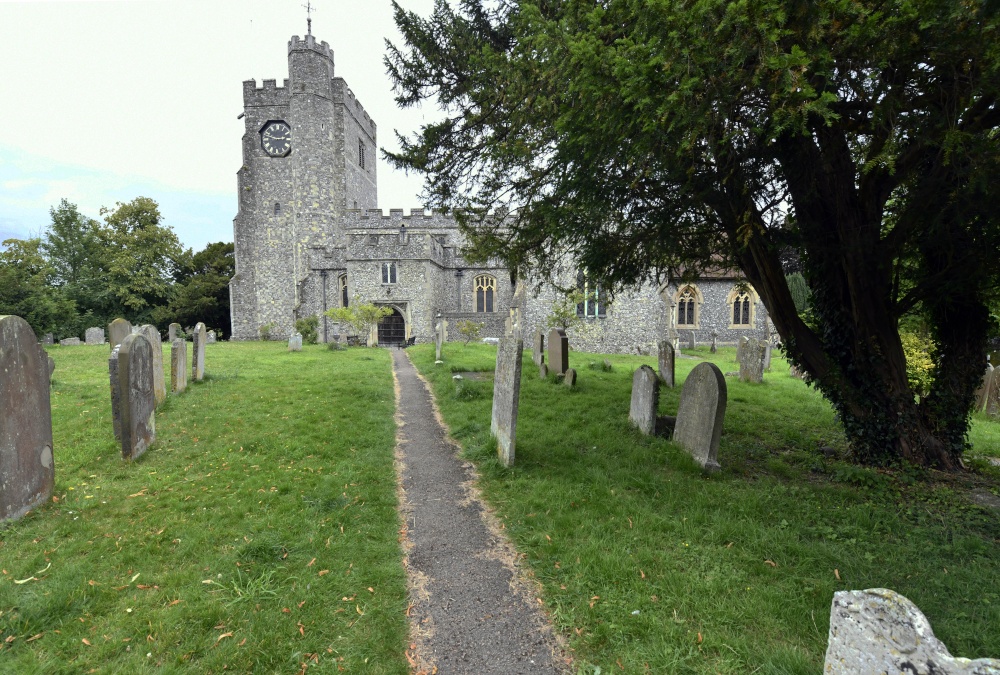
(691, 340)
(152, 336)
(752, 365)
(538, 348)
(94, 336)
(741, 346)
(880, 631)
(570, 379)
(198, 352)
(665, 362)
(116, 393)
(506, 389)
(27, 469)
(117, 330)
(714, 348)
(178, 366)
(700, 414)
(295, 342)
(983, 390)
(137, 401)
(543, 371)
(48, 339)
(172, 332)
(992, 407)
(440, 333)
(558, 351)
(767, 356)
(70, 342)
(210, 337)
(645, 400)
(52, 367)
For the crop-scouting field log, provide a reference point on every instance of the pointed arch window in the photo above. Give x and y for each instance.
(344, 297)
(277, 208)
(486, 287)
(688, 307)
(595, 298)
(741, 302)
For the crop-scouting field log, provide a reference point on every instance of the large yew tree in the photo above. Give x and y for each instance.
(650, 137)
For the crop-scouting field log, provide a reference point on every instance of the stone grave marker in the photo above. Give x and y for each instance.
(172, 332)
(880, 631)
(117, 330)
(198, 353)
(116, 393)
(558, 351)
(992, 406)
(210, 338)
(767, 355)
(506, 390)
(752, 365)
(691, 340)
(48, 339)
(700, 414)
(645, 399)
(440, 334)
(982, 392)
(52, 367)
(152, 336)
(741, 346)
(570, 379)
(137, 400)
(94, 336)
(665, 362)
(70, 342)
(178, 366)
(714, 348)
(295, 342)
(538, 348)
(27, 469)
(543, 371)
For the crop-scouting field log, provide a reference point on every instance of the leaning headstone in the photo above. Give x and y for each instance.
(645, 399)
(27, 470)
(48, 339)
(172, 332)
(543, 371)
(70, 342)
(880, 631)
(558, 351)
(538, 348)
(700, 414)
(117, 330)
(94, 336)
(198, 353)
(178, 366)
(982, 392)
(137, 402)
(752, 365)
(666, 362)
(570, 379)
(152, 335)
(506, 388)
(295, 342)
(210, 338)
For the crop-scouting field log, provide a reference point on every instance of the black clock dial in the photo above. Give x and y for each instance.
(276, 139)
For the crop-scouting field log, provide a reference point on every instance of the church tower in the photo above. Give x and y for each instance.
(309, 154)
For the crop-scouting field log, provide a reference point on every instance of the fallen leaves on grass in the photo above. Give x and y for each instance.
(836, 573)
(771, 563)
(224, 635)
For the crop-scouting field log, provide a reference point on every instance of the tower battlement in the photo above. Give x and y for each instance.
(297, 44)
(269, 93)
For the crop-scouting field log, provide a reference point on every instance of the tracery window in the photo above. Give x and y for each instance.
(741, 303)
(595, 298)
(741, 310)
(486, 287)
(388, 273)
(687, 307)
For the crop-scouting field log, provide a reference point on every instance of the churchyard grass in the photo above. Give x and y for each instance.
(259, 532)
(646, 564)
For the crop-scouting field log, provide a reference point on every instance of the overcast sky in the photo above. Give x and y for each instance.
(108, 100)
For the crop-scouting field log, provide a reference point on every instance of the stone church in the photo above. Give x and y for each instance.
(309, 237)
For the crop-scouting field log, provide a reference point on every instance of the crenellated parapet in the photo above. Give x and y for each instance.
(267, 94)
(343, 94)
(309, 43)
(396, 218)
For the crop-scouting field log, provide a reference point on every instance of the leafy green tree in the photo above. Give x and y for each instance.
(309, 329)
(74, 248)
(201, 289)
(26, 289)
(658, 139)
(361, 317)
(800, 292)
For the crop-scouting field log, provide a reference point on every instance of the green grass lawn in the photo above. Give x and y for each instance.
(259, 533)
(649, 565)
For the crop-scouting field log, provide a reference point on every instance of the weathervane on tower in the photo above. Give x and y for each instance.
(309, 22)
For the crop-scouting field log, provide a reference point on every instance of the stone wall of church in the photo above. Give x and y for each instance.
(356, 130)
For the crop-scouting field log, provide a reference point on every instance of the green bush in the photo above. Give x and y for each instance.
(800, 292)
(309, 328)
(919, 362)
(265, 331)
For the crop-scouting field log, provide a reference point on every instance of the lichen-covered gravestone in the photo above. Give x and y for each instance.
(116, 393)
(48, 339)
(880, 631)
(741, 346)
(666, 362)
(198, 352)
(440, 334)
(506, 390)
(692, 343)
(117, 330)
(211, 338)
(70, 342)
(767, 355)
(543, 371)
(27, 469)
(752, 365)
(992, 406)
(137, 401)
(714, 348)
(94, 336)
(538, 348)
(173, 330)
(700, 414)
(558, 351)
(152, 335)
(295, 342)
(982, 392)
(645, 399)
(570, 379)
(178, 366)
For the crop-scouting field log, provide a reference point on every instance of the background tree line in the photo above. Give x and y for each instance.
(84, 272)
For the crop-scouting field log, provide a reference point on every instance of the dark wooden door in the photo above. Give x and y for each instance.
(392, 330)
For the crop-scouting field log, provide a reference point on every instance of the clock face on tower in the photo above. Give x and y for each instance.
(276, 138)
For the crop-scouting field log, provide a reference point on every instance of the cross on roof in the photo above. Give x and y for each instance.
(309, 10)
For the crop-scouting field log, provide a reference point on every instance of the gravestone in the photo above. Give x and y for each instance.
(210, 338)
(440, 333)
(27, 469)
(137, 400)
(570, 379)
(767, 356)
(198, 353)
(94, 336)
(645, 399)
(700, 414)
(691, 340)
(543, 371)
(665, 362)
(117, 330)
(172, 331)
(982, 392)
(558, 351)
(295, 342)
(752, 365)
(52, 367)
(506, 389)
(538, 348)
(152, 336)
(70, 342)
(116, 393)
(741, 346)
(880, 631)
(714, 348)
(992, 407)
(48, 339)
(178, 366)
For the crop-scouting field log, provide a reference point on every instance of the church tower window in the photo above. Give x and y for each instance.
(485, 286)
(388, 273)
(277, 208)
(361, 154)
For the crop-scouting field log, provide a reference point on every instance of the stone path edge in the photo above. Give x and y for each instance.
(523, 582)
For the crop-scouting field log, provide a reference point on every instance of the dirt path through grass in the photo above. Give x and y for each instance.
(470, 612)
